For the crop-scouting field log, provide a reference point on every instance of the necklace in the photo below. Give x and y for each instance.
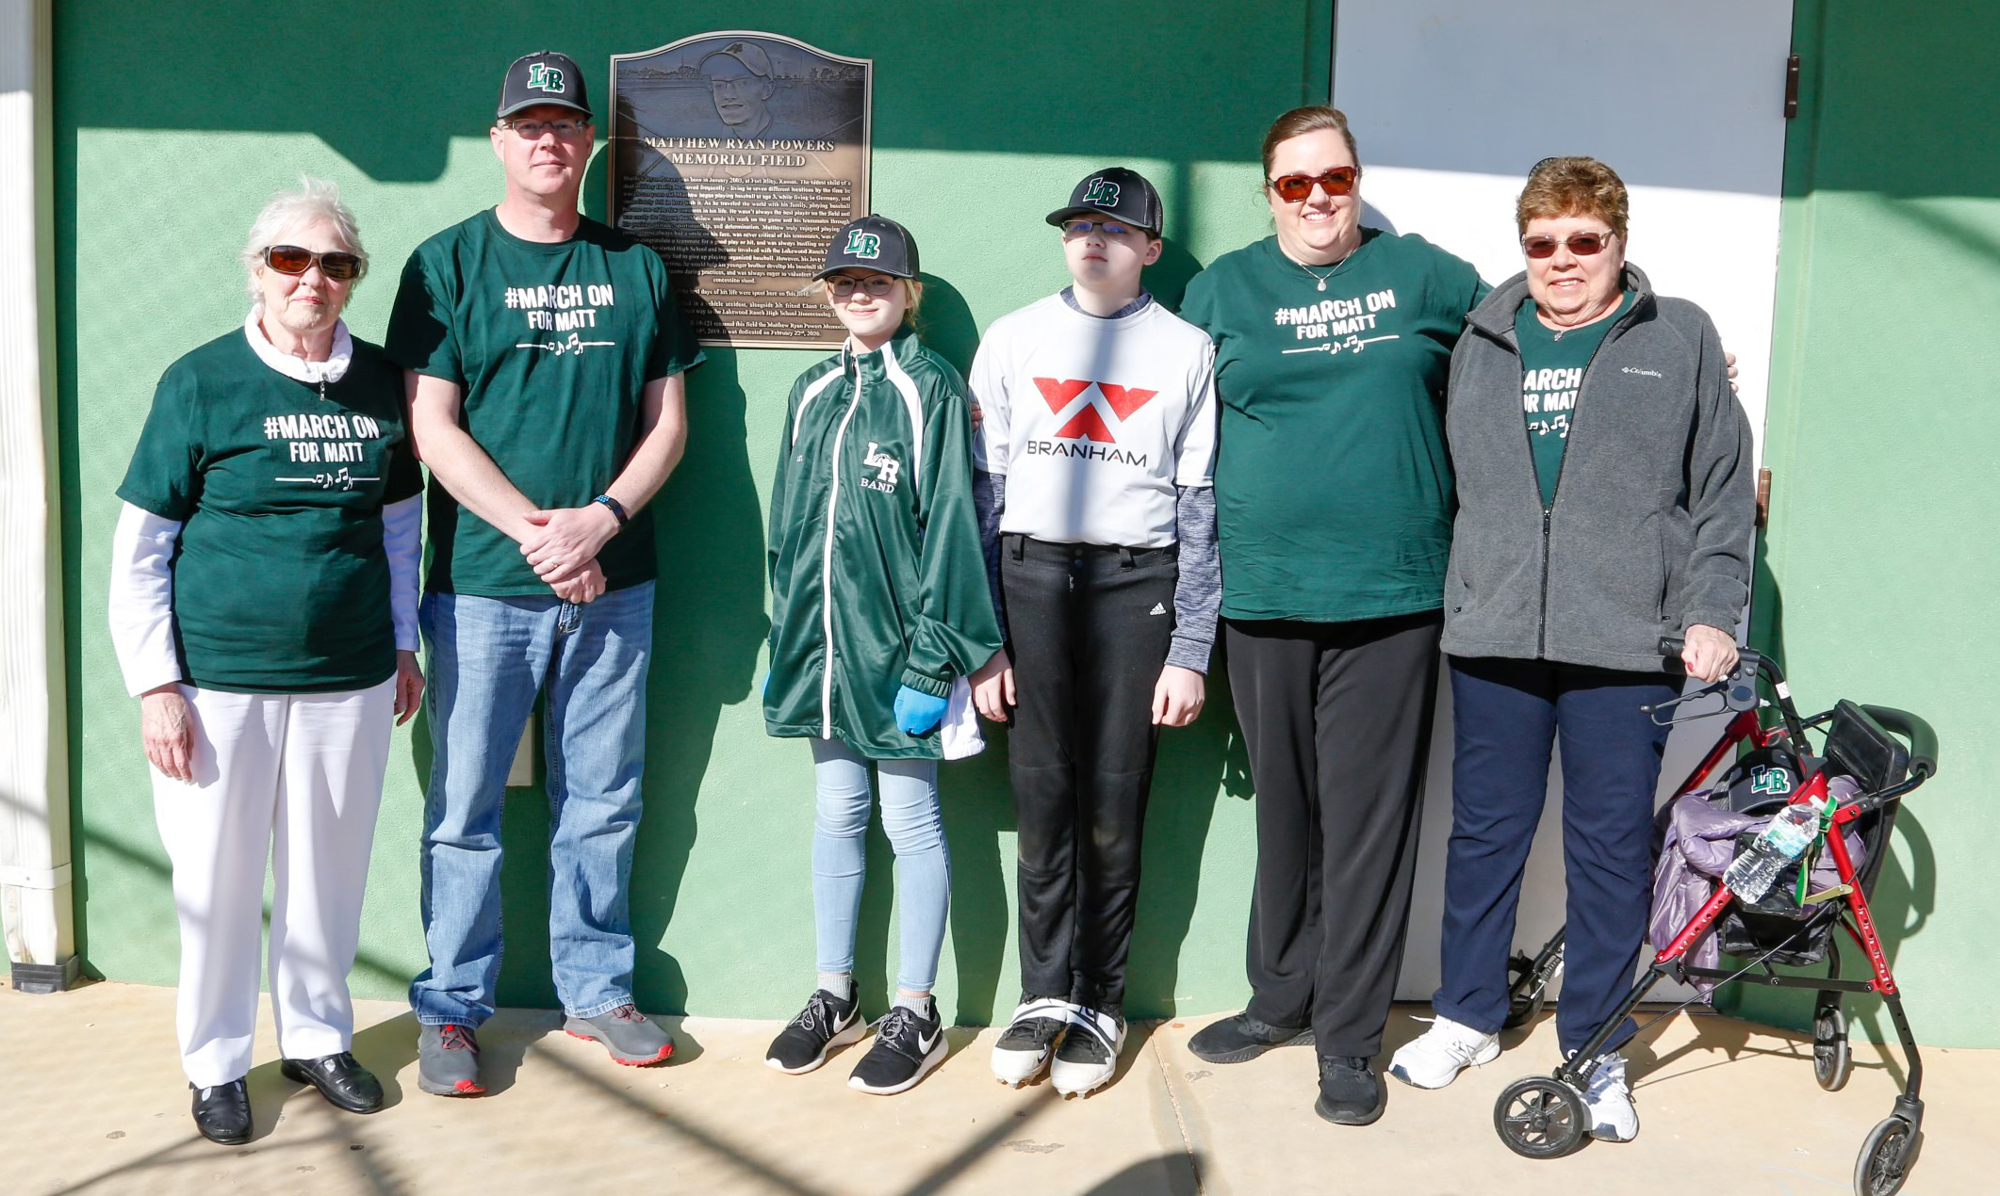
(1321, 277)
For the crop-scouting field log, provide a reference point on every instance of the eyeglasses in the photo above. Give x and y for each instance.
(1296, 188)
(1580, 244)
(877, 285)
(532, 130)
(290, 259)
(1081, 228)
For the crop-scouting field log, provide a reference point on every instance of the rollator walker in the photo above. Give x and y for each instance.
(1884, 753)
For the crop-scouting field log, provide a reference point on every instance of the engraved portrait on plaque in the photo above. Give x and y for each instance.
(738, 156)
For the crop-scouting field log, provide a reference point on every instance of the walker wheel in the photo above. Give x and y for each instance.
(1833, 1061)
(1541, 1117)
(1886, 1158)
(1523, 1006)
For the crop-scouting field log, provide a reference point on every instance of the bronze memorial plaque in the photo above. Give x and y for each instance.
(738, 156)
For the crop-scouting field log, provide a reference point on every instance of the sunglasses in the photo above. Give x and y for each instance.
(877, 285)
(1081, 228)
(1580, 244)
(290, 259)
(1294, 188)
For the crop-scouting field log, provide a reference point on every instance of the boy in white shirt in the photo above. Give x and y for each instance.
(1093, 459)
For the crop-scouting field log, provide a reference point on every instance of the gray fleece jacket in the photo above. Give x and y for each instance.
(1649, 533)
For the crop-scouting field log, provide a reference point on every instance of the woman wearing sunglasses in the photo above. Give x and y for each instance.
(1626, 518)
(1333, 499)
(263, 608)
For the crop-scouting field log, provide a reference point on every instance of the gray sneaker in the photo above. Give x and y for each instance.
(632, 1038)
(448, 1061)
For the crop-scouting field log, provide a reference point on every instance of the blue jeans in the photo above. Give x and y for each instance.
(489, 657)
(1506, 716)
(915, 826)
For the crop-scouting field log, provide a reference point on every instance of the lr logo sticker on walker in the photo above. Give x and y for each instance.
(886, 469)
(1770, 780)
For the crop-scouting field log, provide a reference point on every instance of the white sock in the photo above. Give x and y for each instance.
(922, 1006)
(840, 984)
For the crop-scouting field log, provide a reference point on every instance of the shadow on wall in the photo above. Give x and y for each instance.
(408, 140)
(1905, 892)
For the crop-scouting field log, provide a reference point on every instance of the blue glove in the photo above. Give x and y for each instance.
(918, 713)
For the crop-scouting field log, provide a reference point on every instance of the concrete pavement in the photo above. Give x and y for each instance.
(92, 1101)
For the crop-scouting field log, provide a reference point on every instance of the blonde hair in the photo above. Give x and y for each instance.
(316, 201)
(1574, 187)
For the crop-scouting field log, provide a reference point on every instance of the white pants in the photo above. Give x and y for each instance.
(296, 778)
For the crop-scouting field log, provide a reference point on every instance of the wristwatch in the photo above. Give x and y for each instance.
(616, 508)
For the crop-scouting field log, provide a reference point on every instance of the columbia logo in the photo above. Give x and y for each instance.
(1159, 608)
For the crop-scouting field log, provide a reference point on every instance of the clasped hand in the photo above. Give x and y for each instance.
(562, 549)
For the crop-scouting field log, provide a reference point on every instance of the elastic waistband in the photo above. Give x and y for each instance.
(1027, 548)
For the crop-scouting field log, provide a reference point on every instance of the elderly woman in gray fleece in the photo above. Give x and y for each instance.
(1605, 499)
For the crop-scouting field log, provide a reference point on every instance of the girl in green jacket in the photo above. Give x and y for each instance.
(879, 608)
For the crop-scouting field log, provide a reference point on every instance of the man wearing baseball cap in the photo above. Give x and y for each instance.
(1093, 487)
(544, 357)
(739, 81)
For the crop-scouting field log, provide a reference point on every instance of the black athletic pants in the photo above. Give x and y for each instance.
(1337, 720)
(1090, 629)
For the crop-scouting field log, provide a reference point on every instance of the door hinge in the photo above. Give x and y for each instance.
(1791, 87)
(1764, 497)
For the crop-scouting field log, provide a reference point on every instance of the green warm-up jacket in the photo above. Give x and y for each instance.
(877, 577)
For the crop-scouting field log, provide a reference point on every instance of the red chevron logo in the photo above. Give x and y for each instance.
(1088, 422)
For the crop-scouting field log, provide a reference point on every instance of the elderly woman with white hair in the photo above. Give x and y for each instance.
(263, 607)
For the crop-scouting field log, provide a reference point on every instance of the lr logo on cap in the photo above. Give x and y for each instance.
(543, 77)
(861, 244)
(1102, 191)
(1770, 780)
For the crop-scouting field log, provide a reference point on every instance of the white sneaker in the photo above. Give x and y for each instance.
(1609, 1100)
(1088, 1056)
(1434, 1058)
(1030, 1038)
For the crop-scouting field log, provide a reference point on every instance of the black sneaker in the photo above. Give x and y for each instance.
(825, 1023)
(1350, 1093)
(1242, 1038)
(222, 1113)
(1089, 1052)
(1024, 1049)
(908, 1046)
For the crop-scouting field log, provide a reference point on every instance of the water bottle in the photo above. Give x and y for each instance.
(1791, 830)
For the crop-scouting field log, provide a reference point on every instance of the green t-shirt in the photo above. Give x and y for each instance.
(1332, 484)
(1552, 365)
(280, 581)
(550, 346)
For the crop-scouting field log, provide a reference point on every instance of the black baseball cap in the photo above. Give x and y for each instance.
(1116, 192)
(872, 243)
(544, 77)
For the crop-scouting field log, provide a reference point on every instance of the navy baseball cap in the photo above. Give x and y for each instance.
(1121, 194)
(544, 77)
(872, 243)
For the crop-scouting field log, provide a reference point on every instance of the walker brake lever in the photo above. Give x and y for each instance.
(1738, 691)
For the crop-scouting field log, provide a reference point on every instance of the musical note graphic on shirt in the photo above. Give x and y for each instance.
(1353, 344)
(340, 479)
(574, 345)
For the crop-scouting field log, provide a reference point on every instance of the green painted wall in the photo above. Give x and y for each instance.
(1879, 570)
(174, 124)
